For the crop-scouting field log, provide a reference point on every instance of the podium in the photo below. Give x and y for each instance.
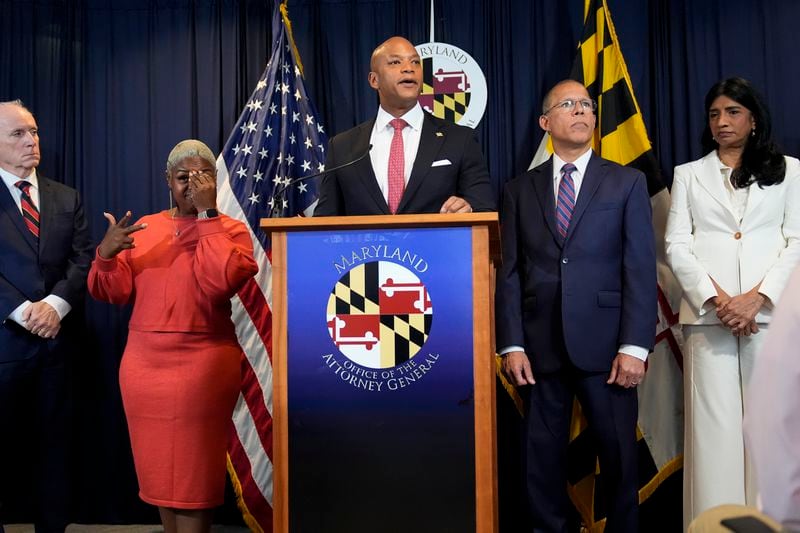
(383, 373)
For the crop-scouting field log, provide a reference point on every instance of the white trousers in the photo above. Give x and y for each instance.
(716, 369)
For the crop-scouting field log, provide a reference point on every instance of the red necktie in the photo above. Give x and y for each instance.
(29, 212)
(397, 182)
(566, 199)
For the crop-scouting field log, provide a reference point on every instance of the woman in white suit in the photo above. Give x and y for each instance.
(733, 238)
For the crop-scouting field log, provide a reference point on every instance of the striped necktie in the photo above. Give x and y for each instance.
(29, 212)
(566, 199)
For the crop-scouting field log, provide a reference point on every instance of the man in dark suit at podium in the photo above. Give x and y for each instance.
(412, 162)
(576, 308)
(44, 260)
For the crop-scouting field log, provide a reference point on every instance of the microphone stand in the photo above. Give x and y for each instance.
(278, 197)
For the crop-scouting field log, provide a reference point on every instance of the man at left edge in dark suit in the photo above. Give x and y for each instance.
(440, 166)
(44, 260)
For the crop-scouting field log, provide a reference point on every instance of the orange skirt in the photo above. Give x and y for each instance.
(179, 391)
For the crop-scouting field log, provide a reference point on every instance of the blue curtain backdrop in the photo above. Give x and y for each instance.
(115, 84)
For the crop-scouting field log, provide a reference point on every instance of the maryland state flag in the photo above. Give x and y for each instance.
(621, 137)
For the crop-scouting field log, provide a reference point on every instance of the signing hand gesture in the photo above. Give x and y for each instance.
(118, 236)
(203, 188)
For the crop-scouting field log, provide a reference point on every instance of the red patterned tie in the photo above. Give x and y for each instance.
(397, 182)
(29, 212)
(566, 199)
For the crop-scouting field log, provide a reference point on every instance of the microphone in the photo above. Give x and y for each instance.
(279, 195)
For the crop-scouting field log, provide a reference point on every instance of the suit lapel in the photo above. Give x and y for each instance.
(429, 145)
(710, 178)
(754, 197)
(364, 167)
(543, 185)
(46, 208)
(9, 208)
(595, 172)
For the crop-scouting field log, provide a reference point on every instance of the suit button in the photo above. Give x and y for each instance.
(737, 235)
(565, 260)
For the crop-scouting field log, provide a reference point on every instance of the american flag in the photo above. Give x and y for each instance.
(276, 141)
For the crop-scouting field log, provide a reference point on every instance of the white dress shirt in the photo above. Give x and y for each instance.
(577, 176)
(381, 141)
(581, 163)
(738, 197)
(61, 306)
(10, 181)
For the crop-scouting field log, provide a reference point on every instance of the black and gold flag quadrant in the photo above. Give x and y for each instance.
(356, 293)
(405, 333)
(599, 65)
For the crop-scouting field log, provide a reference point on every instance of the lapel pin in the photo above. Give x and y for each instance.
(439, 134)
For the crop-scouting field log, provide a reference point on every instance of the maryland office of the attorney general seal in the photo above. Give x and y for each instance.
(379, 316)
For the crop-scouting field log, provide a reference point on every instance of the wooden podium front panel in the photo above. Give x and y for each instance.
(380, 439)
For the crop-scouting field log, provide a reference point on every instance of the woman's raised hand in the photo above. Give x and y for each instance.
(118, 235)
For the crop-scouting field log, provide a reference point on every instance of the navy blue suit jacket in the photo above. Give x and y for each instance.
(58, 265)
(590, 292)
(354, 190)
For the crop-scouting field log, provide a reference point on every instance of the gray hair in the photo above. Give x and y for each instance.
(190, 148)
(17, 103)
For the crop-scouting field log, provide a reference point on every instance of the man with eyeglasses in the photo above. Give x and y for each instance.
(576, 309)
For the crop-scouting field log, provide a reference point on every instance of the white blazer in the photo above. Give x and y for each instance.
(704, 237)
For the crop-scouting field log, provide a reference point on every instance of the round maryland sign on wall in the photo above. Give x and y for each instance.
(453, 84)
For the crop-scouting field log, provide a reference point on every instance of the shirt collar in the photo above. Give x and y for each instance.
(10, 179)
(581, 163)
(722, 166)
(413, 117)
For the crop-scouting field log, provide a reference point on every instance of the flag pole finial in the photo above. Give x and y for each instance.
(288, 24)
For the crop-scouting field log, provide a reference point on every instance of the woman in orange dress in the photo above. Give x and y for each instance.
(180, 373)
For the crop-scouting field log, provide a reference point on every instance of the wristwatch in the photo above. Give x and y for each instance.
(208, 213)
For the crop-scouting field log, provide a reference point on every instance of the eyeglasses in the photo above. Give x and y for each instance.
(569, 105)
